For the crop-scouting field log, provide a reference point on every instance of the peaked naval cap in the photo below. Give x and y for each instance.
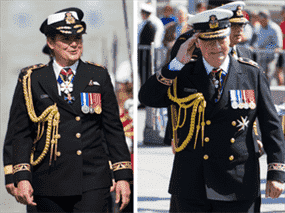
(212, 24)
(64, 22)
(237, 8)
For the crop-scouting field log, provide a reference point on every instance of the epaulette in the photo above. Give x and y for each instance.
(36, 66)
(25, 69)
(248, 61)
(98, 65)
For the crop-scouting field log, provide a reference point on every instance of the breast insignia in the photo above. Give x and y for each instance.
(248, 61)
(98, 65)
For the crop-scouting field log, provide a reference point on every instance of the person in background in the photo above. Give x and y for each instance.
(254, 23)
(168, 15)
(182, 20)
(281, 60)
(201, 7)
(238, 23)
(146, 35)
(269, 38)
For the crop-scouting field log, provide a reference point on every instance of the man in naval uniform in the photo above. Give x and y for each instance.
(238, 23)
(57, 119)
(214, 101)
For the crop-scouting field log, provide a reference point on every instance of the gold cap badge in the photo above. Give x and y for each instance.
(69, 19)
(213, 23)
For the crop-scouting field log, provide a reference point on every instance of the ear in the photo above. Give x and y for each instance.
(50, 43)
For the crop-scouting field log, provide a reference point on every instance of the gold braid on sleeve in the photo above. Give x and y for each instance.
(198, 102)
(50, 115)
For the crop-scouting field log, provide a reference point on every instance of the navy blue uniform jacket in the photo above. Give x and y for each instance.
(227, 166)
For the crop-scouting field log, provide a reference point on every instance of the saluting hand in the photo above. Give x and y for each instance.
(11, 189)
(123, 192)
(186, 50)
(24, 193)
(274, 189)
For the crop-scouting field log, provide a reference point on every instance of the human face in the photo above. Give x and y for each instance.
(214, 51)
(67, 49)
(263, 21)
(236, 33)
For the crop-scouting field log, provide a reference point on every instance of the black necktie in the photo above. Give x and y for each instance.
(234, 53)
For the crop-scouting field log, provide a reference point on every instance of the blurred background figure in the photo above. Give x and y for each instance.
(168, 15)
(254, 23)
(281, 60)
(201, 6)
(269, 38)
(146, 34)
(182, 20)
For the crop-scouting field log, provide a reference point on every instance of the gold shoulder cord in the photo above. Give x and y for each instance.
(198, 102)
(50, 115)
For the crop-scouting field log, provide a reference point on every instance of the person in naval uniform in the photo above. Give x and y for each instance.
(214, 101)
(59, 114)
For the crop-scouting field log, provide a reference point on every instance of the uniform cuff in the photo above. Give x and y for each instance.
(175, 65)
(22, 171)
(276, 171)
(123, 170)
(9, 179)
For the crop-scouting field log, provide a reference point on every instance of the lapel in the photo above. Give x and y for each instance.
(81, 81)
(201, 80)
(234, 81)
(48, 81)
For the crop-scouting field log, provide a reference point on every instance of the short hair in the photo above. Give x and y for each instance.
(264, 14)
(146, 13)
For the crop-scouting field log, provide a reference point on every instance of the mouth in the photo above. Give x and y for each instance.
(74, 52)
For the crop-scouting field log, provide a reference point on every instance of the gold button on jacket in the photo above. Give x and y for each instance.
(77, 118)
(207, 139)
(231, 158)
(206, 157)
(78, 135)
(232, 140)
(79, 152)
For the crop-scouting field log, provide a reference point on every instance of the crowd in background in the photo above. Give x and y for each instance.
(261, 33)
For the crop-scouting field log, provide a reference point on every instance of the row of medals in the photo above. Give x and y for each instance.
(90, 109)
(237, 100)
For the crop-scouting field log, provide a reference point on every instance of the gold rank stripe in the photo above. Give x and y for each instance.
(21, 167)
(8, 169)
(215, 34)
(238, 20)
(122, 165)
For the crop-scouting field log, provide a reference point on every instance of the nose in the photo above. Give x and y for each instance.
(217, 45)
(73, 43)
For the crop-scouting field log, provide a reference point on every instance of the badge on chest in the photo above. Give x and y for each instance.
(90, 103)
(242, 99)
